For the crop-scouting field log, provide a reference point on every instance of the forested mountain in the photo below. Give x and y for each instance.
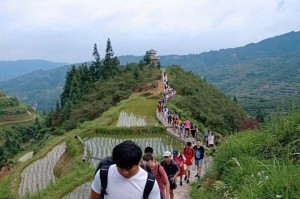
(262, 76)
(41, 87)
(11, 69)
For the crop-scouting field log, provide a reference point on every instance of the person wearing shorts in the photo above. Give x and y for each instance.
(189, 154)
(186, 128)
(199, 156)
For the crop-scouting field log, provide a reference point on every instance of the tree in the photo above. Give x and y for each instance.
(147, 59)
(110, 63)
(75, 92)
(235, 99)
(260, 116)
(96, 66)
(158, 64)
(66, 90)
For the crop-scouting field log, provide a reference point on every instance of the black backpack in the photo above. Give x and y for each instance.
(103, 178)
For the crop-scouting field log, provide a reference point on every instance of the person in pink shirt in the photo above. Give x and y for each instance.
(186, 128)
(159, 174)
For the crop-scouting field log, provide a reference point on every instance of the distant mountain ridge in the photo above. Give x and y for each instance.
(11, 69)
(259, 74)
(42, 87)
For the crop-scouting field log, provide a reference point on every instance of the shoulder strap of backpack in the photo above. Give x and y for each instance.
(103, 178)
(158, 170)
(149, 186)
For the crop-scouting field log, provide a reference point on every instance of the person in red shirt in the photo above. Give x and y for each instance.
(179, 159)
(189, 154)
(159, 174)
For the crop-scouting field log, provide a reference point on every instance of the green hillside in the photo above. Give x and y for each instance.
(11, 111)
(263, 75)
(257, 164)
(42, 87)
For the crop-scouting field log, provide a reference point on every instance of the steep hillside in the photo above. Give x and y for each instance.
(12, 69)
(203, 102)
(257, 164)
(41, 87)
(11, 111)
(263, 75)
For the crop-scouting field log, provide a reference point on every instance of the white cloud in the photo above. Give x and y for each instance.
(65, 30)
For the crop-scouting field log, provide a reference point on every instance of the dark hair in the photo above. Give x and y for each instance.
(147, 157)
(189, 144)
(148, 149)
(127, 154)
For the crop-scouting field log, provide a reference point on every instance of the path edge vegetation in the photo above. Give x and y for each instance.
(256, 164)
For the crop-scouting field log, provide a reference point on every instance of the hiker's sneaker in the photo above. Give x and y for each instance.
(187, 181)
(180, 183)
(185, 178)
(196, 175)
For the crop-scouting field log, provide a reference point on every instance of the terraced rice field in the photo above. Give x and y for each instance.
(100, 147)
(81, 192)
(39, 174)
(130, 120)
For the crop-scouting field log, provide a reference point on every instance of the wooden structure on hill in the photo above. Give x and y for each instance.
(153, 58)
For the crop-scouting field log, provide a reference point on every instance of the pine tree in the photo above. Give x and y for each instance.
(147, 59)
(110, 63)
(75, 92)
(96, 66)
(158, 64)
(235, 99)
(260, 116)
(66, 90)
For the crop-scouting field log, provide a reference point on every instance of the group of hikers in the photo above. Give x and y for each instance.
(182, 127)
(130, 174)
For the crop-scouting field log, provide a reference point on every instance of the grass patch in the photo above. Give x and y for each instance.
(257, 164)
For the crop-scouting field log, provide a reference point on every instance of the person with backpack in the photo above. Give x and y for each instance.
(180, 160)
(199, 156)
(125, 179)
(172, 170)
(159, 174)
(189, 154)
(144, 165)
(194, 130)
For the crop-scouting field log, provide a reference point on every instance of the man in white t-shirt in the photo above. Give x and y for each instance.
(125, 179)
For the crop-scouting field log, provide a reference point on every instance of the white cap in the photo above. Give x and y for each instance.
(167, 153)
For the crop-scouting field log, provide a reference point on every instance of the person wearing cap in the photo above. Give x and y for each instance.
(172, 170)
(180, 160)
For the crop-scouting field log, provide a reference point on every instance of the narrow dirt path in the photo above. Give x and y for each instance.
(182, 192)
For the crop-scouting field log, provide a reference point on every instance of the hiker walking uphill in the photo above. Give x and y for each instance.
(159, 174)
(125, 179)
(172, 171)
(189, 154)
(199, 157)
(180, 128)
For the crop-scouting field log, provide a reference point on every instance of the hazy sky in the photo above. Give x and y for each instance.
(66, 30)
